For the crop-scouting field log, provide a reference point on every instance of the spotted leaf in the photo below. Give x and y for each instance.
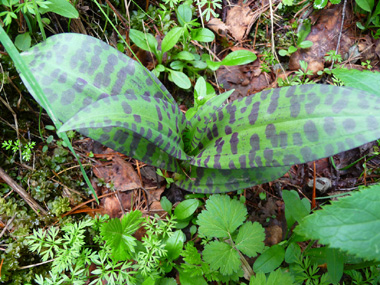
(146, 128)
(75, 70)
(209, 180)
(288, 126)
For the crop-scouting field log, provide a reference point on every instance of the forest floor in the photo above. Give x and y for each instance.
(49, 173)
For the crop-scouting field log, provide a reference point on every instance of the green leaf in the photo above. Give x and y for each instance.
(184, 14)
(185, 55)
(222, 256)
(295, 208)
(171, 39)
(180, 79)
(186, 208)
(283, 52)
(335, 264)
(320, 4)
(277, 277)
(365, 80)
(166, 281)
(288, 126)
(270, 259)
(60, 7)
(166, 204)
(292, 253)
(366, 5)
(238, 57)
(345, 222)
(250, 239)
(186, 278)
(209, 180)
(23, 41)
(147, 137)
(306, 44)
(144, 41)
(118, 235)
(200, 89)
(221, 217)
(202, 35)
(174, 244)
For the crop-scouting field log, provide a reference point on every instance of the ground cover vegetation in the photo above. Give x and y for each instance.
(169, 143)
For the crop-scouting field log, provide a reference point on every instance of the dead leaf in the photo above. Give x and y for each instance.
(324, 35)
(245, 79)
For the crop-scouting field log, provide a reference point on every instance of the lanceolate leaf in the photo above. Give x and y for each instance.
(75, 70)
(210, 180)
(344, 223)
(146, 128)
(289, 126)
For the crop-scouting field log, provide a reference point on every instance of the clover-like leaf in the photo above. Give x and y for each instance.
(344, 223)
(222, 216)
(222, 256)
(250, 239)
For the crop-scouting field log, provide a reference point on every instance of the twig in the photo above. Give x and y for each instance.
(340, 32)
(7, 225)
(28, 199)
(37, 264)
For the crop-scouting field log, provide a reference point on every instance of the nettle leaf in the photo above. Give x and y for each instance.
(146, 128)
(118, 235)
(222, 256)
(365, 80)
(288, 126)
(209, 180)
(345, 222)
(250, 239)
(221, 217)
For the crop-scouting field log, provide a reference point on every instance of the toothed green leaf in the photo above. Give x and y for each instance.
(345, 222)
(222, 256)
(250, 239)
(222, 216)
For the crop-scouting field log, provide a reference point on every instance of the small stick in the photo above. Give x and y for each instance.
(28, 199)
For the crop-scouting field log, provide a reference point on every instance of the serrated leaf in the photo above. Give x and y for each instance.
(186, 208)
(118, 235)
(345, 222)
(250, 239)
(295, 208)
(270, 259)
(221, 217)
(365, 80)
(186, 278)
(222, 256)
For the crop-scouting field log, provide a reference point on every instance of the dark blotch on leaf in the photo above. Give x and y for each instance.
(274, 101)
(254, 142)
(339, 105)
(372, 123)
(270, 133)
(329, 150)
(349, 125)
(68, 97)
(268, 155)
(234, 143)
(329, 126)
(227, 130)
(290, 159)
(215, 130)
(297, 139)
(126, 107)
(254, 113)
(243, 161)
(311, 131)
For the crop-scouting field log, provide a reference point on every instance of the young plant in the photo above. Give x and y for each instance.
(14, 146)
(107, 96)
